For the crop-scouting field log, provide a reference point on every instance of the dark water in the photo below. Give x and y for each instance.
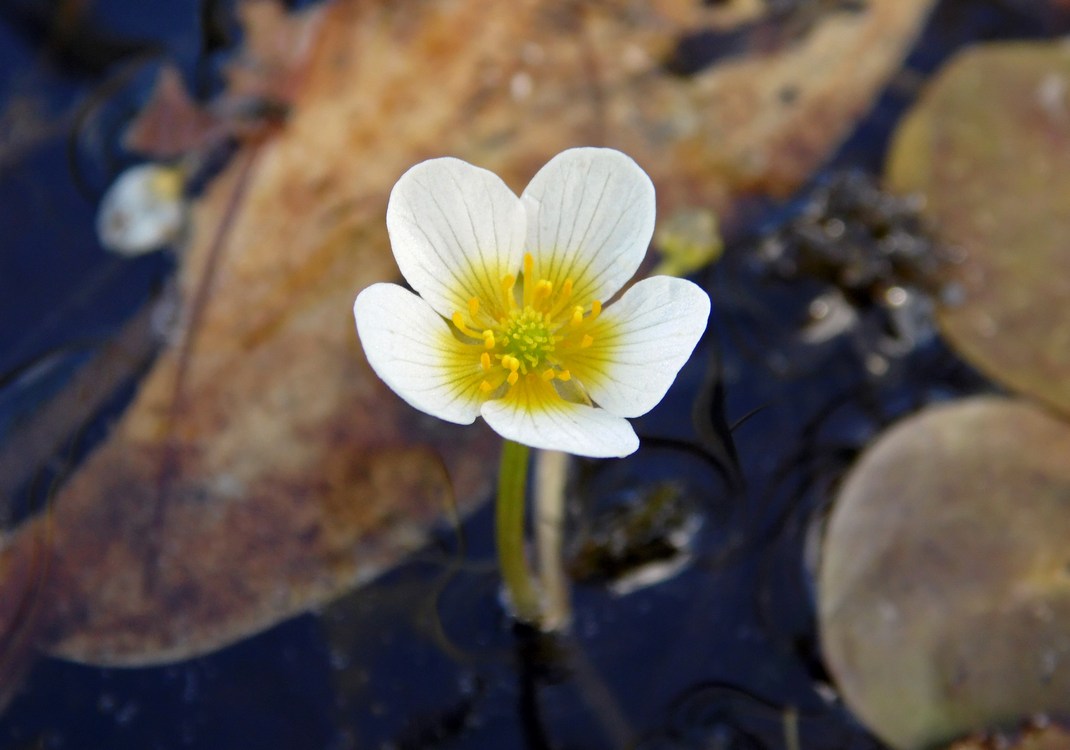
(723, 655)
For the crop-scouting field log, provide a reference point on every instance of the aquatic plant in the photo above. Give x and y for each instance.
(509, 322)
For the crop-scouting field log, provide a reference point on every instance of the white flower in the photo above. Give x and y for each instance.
(510, 323)
(143, 210)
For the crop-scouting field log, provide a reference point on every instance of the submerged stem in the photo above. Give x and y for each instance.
(551, 472)
(509, 521)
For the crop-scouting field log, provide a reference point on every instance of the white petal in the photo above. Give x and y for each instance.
(533, 414)
(412, 349)
(590, 217)
(640, 343)
(456, 230)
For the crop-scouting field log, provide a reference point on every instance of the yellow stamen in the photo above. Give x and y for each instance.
(562, 299)
(484, 361)
(513, 377)
(486, 387)
(473, 307)
(577, 315)
(458, 320)
(586, 341)
(529, 279)
(488, 339)
(548, 374)
(596, 309)
(564, 375)
(508, 282)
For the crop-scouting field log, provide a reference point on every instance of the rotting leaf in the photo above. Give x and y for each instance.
(262, 469)
(1041, 734)
(262, 82)
(171, 123)
(277, 46)
(944, 592)
(780, 25)
(989, 146)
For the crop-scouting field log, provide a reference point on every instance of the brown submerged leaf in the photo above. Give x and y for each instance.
(944, 600)
(1042, 735)
(262, 469)
(171, 123)
(989, 146)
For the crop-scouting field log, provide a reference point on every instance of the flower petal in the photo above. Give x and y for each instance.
(414, 352)
(590, 217)
(456, 230)
(533, 414)
(640, 343)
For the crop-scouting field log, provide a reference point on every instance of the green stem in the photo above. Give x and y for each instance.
(516, 574)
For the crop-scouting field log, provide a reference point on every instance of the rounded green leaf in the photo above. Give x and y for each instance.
(989, 146)
(944, 599)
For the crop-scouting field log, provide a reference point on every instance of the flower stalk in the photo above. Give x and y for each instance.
(519, 582)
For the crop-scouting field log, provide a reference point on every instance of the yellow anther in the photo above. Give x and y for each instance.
(484, 361)
(586, 341)
(486, 387)
(543, 289)
(488, 338)
(577, 315)
(473, 306)
(511, 362)
(548, 374)
(564, 375)
(596, 309)
(513, 377)
(529, 264)
(566, 289)
(458, 320)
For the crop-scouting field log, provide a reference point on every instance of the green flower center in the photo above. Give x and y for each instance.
(527, 336)
(531, 332)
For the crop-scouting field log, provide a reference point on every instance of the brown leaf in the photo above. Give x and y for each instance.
(171, 123)
(277, 48)
(1041, 736)
(262, 468)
